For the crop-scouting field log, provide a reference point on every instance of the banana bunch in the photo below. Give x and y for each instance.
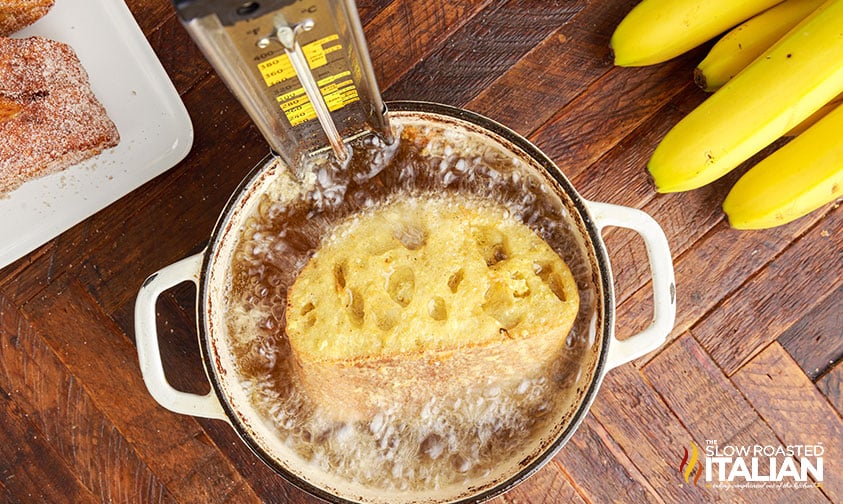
(773, 192)
(777, 72)
(740, 46)
(655, 31)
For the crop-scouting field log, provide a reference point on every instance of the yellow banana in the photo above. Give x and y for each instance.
(658, 30)
(747, 41)
(816, 116)
(800, 177)
(794, 78)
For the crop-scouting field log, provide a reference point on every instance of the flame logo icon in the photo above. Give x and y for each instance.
(686, 468)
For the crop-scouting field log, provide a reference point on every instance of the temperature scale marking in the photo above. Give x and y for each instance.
(337, 89)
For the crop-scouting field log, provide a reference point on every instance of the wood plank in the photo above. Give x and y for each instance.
(268, 485)
(816, 340)
(37, 270)
(591, 458)
(177, 333)
(831, 386)
(185, 66)
(29, 467)
(699, 388)
(794, 409)
(406, 32)
(611, 108)
(150, 13)
(553, 73)
(179, 345)
(174, 447)
(5, 495)
(10, 272)
(642, 425)
(61, 408)
(727, 255)
(686, 218)
(548, 486)
(368, 9)
(774, 299)
(712, 410)
(627, 161)
(184, 369)
(480, 51)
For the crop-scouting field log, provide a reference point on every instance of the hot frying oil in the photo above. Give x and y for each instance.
(451, 439)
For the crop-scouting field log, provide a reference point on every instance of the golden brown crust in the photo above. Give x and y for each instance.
(9, 108)
(49, 117)
(18, 14)
(504, 319)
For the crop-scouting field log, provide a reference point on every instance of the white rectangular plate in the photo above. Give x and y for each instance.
(155, 129)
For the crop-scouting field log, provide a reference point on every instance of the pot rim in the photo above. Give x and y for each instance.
(585, 224)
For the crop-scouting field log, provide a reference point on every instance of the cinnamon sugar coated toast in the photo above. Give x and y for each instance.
(18, 14)
(49, 116)
(426, 296)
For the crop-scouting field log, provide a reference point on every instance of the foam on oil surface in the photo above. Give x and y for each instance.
(453, 439)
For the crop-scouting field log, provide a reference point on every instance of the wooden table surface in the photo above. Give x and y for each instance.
(753, 359)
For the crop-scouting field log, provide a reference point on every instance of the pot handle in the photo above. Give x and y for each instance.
(146, 338)
(661, 269)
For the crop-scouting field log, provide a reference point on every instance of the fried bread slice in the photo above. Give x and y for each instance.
(49, 116)
(426, 297)
(18, 14)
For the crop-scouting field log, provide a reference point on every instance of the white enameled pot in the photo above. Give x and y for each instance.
(226, 401)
